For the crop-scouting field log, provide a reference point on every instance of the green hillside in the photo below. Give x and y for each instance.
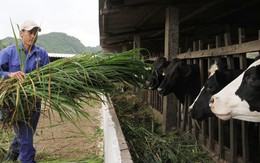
(57, 42)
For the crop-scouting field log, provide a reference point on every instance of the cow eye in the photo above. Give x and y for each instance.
(250, 79)
(208, 86)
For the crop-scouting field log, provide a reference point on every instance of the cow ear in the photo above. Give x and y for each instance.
(221, 76)
(221, 64)
(218, 75)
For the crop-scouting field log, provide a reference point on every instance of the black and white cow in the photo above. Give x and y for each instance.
(180, 79)
(156, 76)
(241, 98)
(219, 77)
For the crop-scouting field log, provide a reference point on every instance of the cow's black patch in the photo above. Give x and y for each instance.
(249, 89)
(180, 79)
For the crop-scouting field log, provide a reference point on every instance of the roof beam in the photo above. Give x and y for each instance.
(155, 3)
(231, 11)
(199, 10)
(132, 32)
(148, 16)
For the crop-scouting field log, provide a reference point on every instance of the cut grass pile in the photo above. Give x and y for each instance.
(146, 140)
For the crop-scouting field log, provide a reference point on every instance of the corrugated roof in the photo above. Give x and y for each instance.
(59, 55)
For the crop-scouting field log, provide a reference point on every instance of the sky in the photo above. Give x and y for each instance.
(77, 18)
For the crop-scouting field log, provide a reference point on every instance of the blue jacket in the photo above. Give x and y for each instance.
(10, 59)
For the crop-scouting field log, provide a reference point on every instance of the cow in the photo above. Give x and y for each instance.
(157, 72)
(219, 77)
(180, 79)
(240, 99)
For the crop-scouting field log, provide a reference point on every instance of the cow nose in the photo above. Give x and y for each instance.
(211, 101)
(159, 89)
(148, 82)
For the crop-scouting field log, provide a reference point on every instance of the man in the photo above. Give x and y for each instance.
(11, 66)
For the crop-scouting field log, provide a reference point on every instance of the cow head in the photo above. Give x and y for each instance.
(241, 98)
(219, 77)
(174, 75)
(157, 73)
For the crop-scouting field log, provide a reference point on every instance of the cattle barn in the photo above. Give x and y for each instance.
(197, 32)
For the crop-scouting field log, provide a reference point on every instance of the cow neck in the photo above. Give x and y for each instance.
(188, 85)
(192, 82)
(180, 93)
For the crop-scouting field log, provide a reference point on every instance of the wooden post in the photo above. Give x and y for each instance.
(203, 123)
(211, 125)
(218, 42)
(200, 45)
(244, 128)
(124, 47)
(170, 50)
(220, 122)
(195, 46)
(233, 123)
(136, 44)
(230, 61)
(241, 39)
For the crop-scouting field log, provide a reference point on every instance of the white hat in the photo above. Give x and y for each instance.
(29, 25)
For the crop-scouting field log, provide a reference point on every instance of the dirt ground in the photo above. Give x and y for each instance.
(62, 139)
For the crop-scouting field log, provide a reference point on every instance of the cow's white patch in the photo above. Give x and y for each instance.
(213, 68)
(226, 99)
(246, 115)
(229, 106)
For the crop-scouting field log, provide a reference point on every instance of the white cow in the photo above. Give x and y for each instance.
(241, 98)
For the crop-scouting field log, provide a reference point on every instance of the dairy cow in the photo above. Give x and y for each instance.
(241, 98)
(180, 79)
(219, 77)
(156, 76)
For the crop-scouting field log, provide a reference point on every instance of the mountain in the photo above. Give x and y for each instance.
(57, 42)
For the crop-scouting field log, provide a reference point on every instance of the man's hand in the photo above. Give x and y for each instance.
(19, 75)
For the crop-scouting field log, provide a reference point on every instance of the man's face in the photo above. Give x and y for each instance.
(29, 37)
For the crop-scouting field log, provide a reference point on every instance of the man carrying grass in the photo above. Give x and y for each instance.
(15, 62)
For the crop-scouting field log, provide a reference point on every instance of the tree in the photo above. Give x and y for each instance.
(1, 45)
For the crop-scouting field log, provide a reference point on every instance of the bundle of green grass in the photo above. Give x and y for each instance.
(65, 85)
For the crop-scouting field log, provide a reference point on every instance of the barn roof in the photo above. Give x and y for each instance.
(120, 20)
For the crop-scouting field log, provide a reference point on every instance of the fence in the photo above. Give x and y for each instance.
(233, 140)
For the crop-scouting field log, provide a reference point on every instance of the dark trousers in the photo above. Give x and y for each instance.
(23, 140)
